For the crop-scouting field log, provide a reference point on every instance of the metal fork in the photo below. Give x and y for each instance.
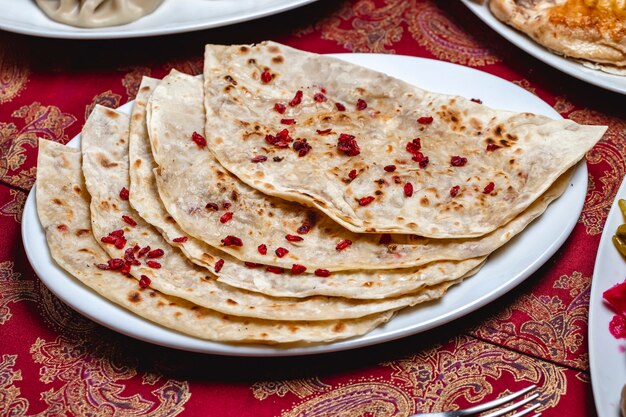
(493, 404)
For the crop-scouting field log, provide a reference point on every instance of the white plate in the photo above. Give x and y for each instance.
(173, 16)
(504, 270)
(575, 69)
(607, 355)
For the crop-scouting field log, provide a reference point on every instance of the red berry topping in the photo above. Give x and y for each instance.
(304, 228)
(117, 233)
(212, 206)
(129, 220)
(280, 252)
(262, 249)
(297, 99)
(294, 238)
(364, 201)
(218, 265)
(280, 108)
(258, 158)
(143, 251)
(124, 194)
(458, 161)
(120, 242)
(408, 189)
(153, 264)
(288, 121)
(323, 132)
(426, 120)
(454, 191)
(181, 239)
(226, 217)
(157, 253)
(489, 188)
(492, 147)
(340, 107)
(275, 269)
(352, 174)
(390, 168)
(232, 241)
(251, 264)
(144, 282)
(347, 144)
(319, 97)
(322, 273)
(301, 146)
(116, 263)
(266, 76)
(476, 100)
(343, 244)
(198, 139)
(297, 269)
(361, 104)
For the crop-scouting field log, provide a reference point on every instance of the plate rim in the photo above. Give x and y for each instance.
(123, 33)
(575, 69)
(578, 184)
(598, 331)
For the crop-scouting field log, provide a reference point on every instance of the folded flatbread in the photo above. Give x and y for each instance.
(189, 178)
(63, 208)
(362, 284)
(105, 167)
(97, 13)
(373, 152)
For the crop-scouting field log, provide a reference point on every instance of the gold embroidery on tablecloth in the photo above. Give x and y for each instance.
(12, 290)
(193, 66)
(15, 206)
(299, 387)
(553, 328)
(381, 399)
(10, 399)
(439, 377)
(47, 122)
(107, 99)
(14, 72)
(432, 29)
(526, 85)
(93, 377)
(61, 318)
(563, 105)
(372, 27)
(132, 80)
(608, 155)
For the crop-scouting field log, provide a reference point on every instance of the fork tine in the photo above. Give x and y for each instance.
(495, 403)
(514, 406)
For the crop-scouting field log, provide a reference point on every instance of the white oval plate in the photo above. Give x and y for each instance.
(607, 355)
(505, 269)
(611, 82)
(173, 16)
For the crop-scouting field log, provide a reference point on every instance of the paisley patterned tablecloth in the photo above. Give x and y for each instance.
(54, 362)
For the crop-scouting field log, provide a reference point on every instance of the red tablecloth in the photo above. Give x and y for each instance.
(54, 362)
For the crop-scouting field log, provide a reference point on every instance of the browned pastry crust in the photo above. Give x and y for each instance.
(594, 30)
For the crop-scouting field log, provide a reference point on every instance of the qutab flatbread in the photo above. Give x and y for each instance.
(63, 208)
(105, 167)
(373, 152)
(194, 179)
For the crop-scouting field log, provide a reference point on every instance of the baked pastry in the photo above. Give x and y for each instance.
(592, 30)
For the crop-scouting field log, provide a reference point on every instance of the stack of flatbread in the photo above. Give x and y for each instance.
(288, 197)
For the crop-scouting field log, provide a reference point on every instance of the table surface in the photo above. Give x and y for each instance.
(55, 362)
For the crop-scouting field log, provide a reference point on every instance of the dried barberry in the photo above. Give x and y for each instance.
(262, 248)
(364, 201)
(124, 194)
(232, 241)
(181, 239)
(258, 158)
(129, 220)
(297, 269)
(156, 253)
(294, 238)
(226, 217)
(343, 244)
(454, 191)
(218, 265)
(280, 108)
(144, 281)
(297, 99)
(361, 104)
(198, 139)
(347, 144)
(322, 273)
(425, 120)
(408, 189)
(280, 252)
(489, 188)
